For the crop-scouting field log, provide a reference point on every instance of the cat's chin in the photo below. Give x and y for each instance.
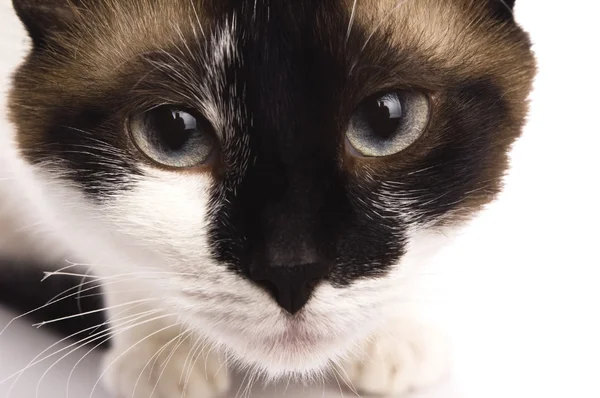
(297, 350)
(301, 358)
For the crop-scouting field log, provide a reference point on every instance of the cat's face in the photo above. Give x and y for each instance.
(273, 166)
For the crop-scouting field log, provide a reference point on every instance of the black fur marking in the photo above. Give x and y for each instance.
(295, 204)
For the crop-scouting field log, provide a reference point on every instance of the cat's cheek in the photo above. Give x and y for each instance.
(167, 212)
(162, 361)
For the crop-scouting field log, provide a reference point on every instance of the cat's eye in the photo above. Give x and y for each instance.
(386, 124)
(173, 136)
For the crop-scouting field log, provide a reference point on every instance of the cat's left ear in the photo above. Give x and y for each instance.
(42, 18)
(503, 9)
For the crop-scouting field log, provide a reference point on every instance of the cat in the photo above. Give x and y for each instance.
(255, 182)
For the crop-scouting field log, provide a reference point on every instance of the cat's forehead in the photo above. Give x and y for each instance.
(460, 34)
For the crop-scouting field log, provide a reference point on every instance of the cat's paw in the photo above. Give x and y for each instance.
(156, 368)
(403, 357)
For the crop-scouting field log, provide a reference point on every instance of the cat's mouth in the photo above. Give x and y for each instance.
(292, 346)
(296, 335)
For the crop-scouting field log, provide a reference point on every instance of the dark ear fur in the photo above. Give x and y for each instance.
(44, 17)
(503, 9)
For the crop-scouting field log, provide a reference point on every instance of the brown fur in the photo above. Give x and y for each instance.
(462, 41)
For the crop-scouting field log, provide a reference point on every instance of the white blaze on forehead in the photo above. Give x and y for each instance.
(221, 62)
(222, 54)
(225, 49)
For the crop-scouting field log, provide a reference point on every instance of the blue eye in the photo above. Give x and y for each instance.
(173, 136)
(387, 124)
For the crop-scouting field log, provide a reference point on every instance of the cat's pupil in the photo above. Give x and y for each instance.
(384, 115)
(174, 127)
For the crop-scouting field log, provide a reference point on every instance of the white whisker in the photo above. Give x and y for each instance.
(79, 343)
(125, 352)
(182, 337)
(44, 323)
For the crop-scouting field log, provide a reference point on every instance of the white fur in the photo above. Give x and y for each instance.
(404, 356)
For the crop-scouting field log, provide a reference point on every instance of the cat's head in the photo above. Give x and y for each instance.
(270, 168)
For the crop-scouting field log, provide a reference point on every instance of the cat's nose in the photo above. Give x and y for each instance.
(290, 285)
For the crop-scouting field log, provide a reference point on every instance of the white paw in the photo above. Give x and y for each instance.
(165, 368)
(404, 357)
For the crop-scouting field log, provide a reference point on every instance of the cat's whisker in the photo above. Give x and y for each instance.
(109, 338)
(126, 319)
(246, 375)
(287, 385)
(345, 378)
(335, 376)
(114, 291)
(81, 360)
(141, 273)
(197, 354)
(70, 265)
(44, 323)
(118, 279)
(146, 269)
(153, 360)
(223, 364)
(109, 334)
(79, 289)
(248, 389)
(22, 316)
(182, 337)
(246, 382)
(188, 367)
(258, 375)
(161, 330)
(81, 343)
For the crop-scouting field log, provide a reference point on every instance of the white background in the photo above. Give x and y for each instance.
(519, 292)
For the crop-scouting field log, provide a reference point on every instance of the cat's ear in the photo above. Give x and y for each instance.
(503, 9)
(45, 17)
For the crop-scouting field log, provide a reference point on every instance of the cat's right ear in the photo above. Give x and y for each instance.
(42, 18)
